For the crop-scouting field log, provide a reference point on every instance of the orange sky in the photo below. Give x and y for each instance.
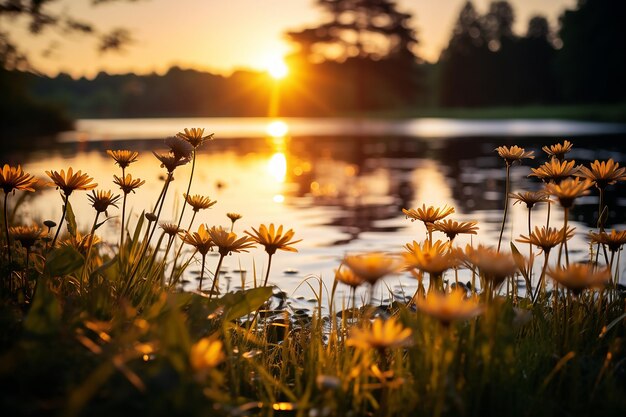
(220, 35)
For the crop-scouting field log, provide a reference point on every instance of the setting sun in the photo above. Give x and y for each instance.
(277, 68)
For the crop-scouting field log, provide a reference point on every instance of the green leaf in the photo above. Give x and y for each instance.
(63, 261)
(71, 219)
(240, 303)
(44, 316)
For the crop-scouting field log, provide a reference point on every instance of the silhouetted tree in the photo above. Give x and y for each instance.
(592, 62)
(373, 42)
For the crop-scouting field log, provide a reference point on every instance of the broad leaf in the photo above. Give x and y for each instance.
(63, 261)
(71, 220)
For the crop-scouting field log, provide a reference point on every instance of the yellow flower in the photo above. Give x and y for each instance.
(201, 240)
(434, 259)
(449, 307)
(494, 266)
(273, 239)
(123, 158)
(227, 242)
(101, 200)
(72, 181)
(171, 229)
(530, 198)
(194, 136)
(346, 276)
(452, 228)
(558, 150)
(614, 240)
(513, 154)
(80, 243)
(428, 215)
(170, 161)
(180, 148)
(206, 354)
(603, 173)
(569, 190)
(546, 239)
(233, 216)
(381, 335)
(371, 266)
(555, 170)
(578, 277)
(198, 202)
(12, 178)
(128, 184)
(26, 235)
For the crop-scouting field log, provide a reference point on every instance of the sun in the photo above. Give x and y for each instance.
(277, 68)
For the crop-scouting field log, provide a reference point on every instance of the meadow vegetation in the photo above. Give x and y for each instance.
(110, 328)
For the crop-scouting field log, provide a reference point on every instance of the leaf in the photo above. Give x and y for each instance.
(71, 219)
(44, 315)
(63, 261)
(521, 265)
(240, 303)
(603, 217)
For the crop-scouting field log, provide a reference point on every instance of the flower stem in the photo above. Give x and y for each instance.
(91, 238)
(6, 226)
(542, 277)
(193, 167)
(215, 275)
(56, 235)
(506, 204)
(267, 274)
(564, 242)
(202, 273)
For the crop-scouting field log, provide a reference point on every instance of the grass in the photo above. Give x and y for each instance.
(95, 330)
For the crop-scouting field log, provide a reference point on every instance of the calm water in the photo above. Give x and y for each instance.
(340, 184)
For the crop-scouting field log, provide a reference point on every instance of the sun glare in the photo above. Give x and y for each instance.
(277, 68)
(277, 129)
(277, 167)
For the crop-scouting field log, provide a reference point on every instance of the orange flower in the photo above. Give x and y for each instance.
(555, 170)
(434, 259)
(372, 266)
(569, 190)
(72, 181)
(513, 154)
(128, 184)
(227, 242)
(201, 240)
(603, 173)
(546, 239)
(12, 178)
(381, 335)
(614, 240)
(493, 265)
(194, 136)
(123, 158)
(274, 239)
(26, 235)
(578, 277)
(346, 276)
(101, 200)
(449, 307)
(452, 228)
(530, 198)
(198, 202)
(558, 150)
(428, 215)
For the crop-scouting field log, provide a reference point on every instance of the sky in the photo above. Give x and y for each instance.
(224, 35)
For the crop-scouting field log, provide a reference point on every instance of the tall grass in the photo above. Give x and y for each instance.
(89, 331)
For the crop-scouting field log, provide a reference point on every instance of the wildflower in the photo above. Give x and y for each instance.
(123, 158)
(234, 216)
(72, 181)
(101, 200)
(198, 202)
(513, 154)
(81, 243)
(530, 198)
(151, 217)
(432, 258)
(227, 242)
(194, 136)
(546, 239)
(12, 178)
(578, 277)
(50, 224)
(452, 228)
(449, 307)
(201, 240)
(494, 266)
(170, 229)
(558, 150)
(206, 353)
(381, 335)
(555, 170)
(429, 215)
(26, 235)
(614, 240)
(170, 161)
(371, 266)
(274, 239)
(127, 183)
(603, 173)
(348, 277)
(180, 148)
(568, 190)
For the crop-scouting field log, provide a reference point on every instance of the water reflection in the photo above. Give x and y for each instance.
(340, 193)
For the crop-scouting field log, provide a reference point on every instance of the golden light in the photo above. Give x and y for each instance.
(277, 68)
(277, 129)
(277, 166)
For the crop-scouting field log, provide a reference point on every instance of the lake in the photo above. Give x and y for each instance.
(341, 184)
